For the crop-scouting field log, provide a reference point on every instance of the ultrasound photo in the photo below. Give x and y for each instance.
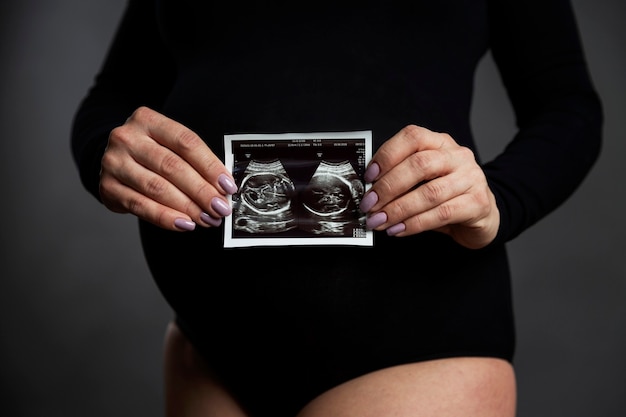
(298, 189)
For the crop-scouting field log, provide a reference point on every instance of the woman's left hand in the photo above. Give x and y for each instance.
(424, 180)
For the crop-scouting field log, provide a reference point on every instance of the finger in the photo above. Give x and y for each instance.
(182, 176)
(155, 154)
(189, 146)
(415, 169)
(471, 218)
(122, 173)
(476, 231)
(123, 199)
(426, 197)
(423, 198)
(457, 210)
(420, 168)
(409, 140)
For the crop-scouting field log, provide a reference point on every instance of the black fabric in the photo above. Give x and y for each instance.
(299, 320)
(306, 318)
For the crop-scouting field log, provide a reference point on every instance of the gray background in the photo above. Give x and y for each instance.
(82, 322)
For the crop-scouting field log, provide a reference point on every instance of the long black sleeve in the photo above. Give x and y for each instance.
(262, 73)
(537, 49)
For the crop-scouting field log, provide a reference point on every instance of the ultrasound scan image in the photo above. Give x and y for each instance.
(331, 200)
(325, 204)
(297, 189)
(264, 203)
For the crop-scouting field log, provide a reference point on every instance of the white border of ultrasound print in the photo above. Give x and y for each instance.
(230, 242)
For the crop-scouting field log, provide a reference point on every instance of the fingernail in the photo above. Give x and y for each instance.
(396, 228)
(371, 172)
(210, 220)
(368, 201)
(227, 184)
(376, 220)
(220, 206)
(184, 224)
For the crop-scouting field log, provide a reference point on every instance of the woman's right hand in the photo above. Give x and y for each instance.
(164, 173)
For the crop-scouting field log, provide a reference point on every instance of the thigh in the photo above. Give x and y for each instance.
(463, 387)
(190, 389)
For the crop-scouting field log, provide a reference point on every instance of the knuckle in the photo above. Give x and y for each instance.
(155, 187)
(478, 177)
(384, 186)
(399, 210)
(121, 140)
(446, 137)
(421, 161)
(384, 155)
(466, 153)
(136, 206)
(432, 191)
(204, 189)
(141, 113)
(118, 135)
(161, 217)
(186, 139)
(482, 197)
(107, 161)
(445, 213)
(106, 183)
(170, 164)
(187, 207)
(106, 195)
(412, 132)
(211, 161)
(416, 224)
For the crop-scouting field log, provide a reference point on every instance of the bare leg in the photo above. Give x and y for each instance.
(189, 389)
(458, 387)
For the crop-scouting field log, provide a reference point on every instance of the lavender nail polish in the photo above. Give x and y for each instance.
(371, 172)
(220, 206)
(184, 224)
(368, 201)
(210, 220)
(376, 220)
(396, 228)
(227, 184)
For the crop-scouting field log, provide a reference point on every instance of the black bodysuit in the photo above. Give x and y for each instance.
(294, 321)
